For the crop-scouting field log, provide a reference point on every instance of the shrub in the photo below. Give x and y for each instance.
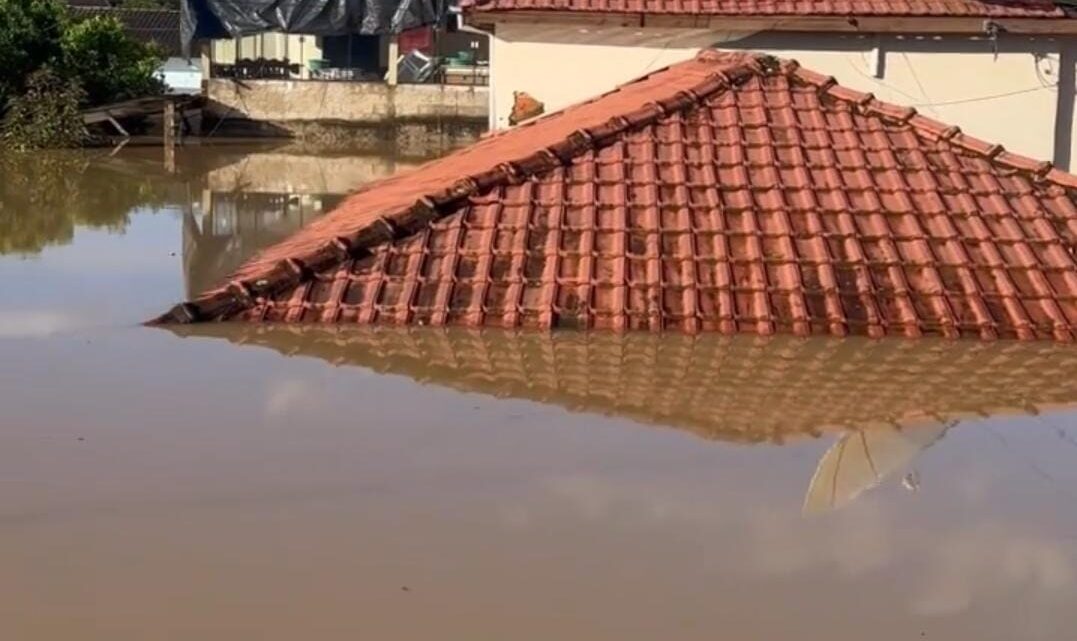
(110, 65)
(46, 114)
(30, 32)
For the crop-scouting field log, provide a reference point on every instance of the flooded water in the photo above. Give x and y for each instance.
(274, 483)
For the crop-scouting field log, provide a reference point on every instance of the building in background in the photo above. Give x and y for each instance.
(1002, 70)
(160, 27)
(343, 89)
(456, 57)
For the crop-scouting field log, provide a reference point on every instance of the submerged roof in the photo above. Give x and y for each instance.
(783, 8)
(731, 192)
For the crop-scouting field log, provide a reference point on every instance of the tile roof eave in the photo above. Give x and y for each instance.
(281, 267)
(1029, 25)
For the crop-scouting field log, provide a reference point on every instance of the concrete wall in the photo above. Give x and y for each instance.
(414, 119)
(1004, 95)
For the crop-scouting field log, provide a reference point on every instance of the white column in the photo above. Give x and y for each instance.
(394, 53)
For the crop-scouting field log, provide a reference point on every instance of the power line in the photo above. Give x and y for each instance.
(983, 98)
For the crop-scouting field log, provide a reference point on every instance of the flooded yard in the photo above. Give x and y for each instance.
(248, 482)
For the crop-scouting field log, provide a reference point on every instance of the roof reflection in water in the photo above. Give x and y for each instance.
(263, 197)
(888, 399)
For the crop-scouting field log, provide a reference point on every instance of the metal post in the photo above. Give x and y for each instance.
(1064, 109)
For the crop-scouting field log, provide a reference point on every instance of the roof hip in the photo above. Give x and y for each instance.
(400, 207)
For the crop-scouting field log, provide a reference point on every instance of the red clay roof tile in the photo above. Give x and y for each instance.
(779, 8)
(731, 193)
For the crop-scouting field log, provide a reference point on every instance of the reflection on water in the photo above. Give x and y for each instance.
(44, 196)
(889, 400)
(864, 458)
(163, 487)
(261, 199)
(234, 200)
(237, 224)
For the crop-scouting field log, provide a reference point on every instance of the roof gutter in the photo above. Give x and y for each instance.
(936, 25)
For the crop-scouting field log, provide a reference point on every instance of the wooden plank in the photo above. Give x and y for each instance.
(169, 141)
(119, 128)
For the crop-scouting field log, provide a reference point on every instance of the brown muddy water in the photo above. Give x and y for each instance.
(270, 483)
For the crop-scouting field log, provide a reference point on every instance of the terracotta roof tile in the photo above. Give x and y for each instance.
(798, 8)
(730, 193)
(742, 388)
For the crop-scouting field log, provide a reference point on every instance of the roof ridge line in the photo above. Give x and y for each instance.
(867, 104)
(240, 294)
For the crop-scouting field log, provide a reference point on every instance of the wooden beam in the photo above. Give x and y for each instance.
(169, 126)
(112, 121)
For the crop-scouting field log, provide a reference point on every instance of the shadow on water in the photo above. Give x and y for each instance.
(887, 401)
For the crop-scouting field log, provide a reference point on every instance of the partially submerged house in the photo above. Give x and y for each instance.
(385, 74)
(731, 193)
(1002, 70)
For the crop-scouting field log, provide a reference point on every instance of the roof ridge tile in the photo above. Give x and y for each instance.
(821, 82)
(1063, 178)
(890, 111)
(975, 145)
(1023, 163)
(933, 129)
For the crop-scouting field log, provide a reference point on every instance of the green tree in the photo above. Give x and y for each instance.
(46, 114)
(90, 61)
(110, 65)
(30, 32)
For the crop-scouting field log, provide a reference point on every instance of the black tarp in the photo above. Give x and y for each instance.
(235, 18)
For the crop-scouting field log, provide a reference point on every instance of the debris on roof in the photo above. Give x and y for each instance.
(790, 8)
(731, 193)
(738, 389)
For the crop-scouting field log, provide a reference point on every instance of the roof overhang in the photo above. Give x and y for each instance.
(934, 25)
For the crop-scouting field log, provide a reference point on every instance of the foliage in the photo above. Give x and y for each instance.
(30, 32)
(92, 61)
(46, 114)
(45, 195)
(110, 65)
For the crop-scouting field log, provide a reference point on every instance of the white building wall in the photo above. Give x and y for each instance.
(1005, 96)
